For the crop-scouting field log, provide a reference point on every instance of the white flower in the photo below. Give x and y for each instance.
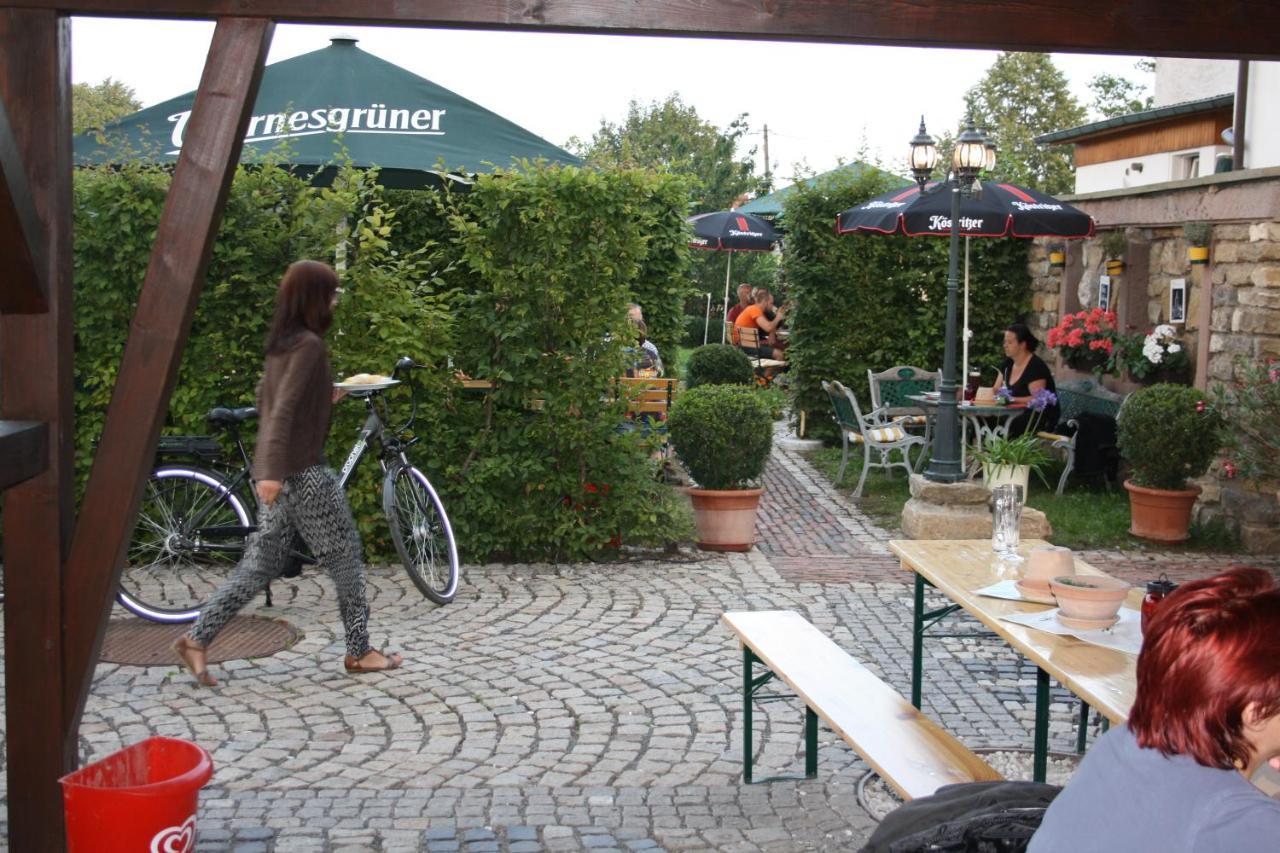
(1174, 348)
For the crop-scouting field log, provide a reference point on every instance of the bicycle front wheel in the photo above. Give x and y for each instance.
(190, 535)
(421, 532)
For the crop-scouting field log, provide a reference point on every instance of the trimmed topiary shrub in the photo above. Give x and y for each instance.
(1168, 434)
(722, 434)
(718, 364)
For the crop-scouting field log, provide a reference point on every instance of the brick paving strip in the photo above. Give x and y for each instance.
(571, 707)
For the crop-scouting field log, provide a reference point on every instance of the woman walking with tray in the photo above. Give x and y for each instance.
(298, 490)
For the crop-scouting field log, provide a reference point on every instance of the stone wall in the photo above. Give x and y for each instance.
(1243, 278)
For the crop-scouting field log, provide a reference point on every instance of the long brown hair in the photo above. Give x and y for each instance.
(303, 301)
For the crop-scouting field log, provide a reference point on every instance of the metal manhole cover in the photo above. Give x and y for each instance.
(138, 642)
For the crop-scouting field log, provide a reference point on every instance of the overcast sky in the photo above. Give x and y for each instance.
(820, 102)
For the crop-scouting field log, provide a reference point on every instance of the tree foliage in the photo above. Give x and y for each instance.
(670, 136)
(1114, 95)
(94, 107)
(1022, 96)
(500, 282)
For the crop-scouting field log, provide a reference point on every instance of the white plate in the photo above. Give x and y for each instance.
(369, 386)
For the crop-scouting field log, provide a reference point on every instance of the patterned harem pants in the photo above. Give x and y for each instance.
(311, 503)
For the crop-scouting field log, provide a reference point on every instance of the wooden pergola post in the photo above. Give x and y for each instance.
(60, 573)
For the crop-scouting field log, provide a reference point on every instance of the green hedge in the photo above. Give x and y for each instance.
(523, 280)
(718, 364)
(874, 302)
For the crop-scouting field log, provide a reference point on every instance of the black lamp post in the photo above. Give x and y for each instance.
(973, 153)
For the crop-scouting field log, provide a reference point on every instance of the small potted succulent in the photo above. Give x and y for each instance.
(1168, 434)
(1114, 244)
(723, 434)
(1198, 235)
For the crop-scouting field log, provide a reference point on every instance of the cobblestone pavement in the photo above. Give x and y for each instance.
(571, 707)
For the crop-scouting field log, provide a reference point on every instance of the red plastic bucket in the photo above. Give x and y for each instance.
(141, 799)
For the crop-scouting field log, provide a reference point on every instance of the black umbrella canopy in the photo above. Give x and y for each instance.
(732, 231)
(341, 96)
(1001, 210)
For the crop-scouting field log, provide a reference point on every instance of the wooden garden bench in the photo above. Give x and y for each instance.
(1075, 398)
(911, 753)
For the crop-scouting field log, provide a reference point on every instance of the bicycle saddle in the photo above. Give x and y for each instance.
(223, 417)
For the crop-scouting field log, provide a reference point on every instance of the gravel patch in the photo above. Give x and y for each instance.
(878, 799)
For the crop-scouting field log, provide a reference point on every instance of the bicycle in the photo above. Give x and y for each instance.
(200, 507)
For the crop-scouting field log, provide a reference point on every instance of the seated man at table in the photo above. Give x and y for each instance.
(757, 315)
(1024, 373)
(1176, 777)
(744, 302)
(648, 361)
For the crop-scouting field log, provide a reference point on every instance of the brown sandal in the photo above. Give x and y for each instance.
(353, 665)
(184, 647)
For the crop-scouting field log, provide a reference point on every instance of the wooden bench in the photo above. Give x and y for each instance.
(646, 396)
(1075, 398)
(749, 341)
(911, 753)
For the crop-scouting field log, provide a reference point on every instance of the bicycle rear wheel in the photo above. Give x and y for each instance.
(190, 535)
(421, 532)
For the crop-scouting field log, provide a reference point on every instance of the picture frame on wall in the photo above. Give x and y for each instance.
(1104, 292)
(1178, 301)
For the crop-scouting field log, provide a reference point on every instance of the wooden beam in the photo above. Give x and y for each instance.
(36, 351)
(24, 288)
(24, 451)
(1240, 28)
(184, 240)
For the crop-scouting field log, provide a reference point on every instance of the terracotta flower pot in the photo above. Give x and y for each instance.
(726, 519)
(1161, 514)
(1089, 597)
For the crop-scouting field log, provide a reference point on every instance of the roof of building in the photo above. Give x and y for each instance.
(1075, 134)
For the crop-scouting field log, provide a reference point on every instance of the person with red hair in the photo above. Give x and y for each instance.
(1205, 719)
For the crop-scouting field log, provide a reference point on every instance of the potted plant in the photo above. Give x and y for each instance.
(1057, 257)
(722, 434)
(1157, 356)
(1198, 236)
(1168, 434)
(1252, 441)
(1011, 460)
(1114, 244)
(1086, 340)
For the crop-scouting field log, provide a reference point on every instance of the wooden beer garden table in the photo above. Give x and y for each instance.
(1103, 678)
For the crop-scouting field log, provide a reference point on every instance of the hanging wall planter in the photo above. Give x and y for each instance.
(1198, 236)
(1114, 244)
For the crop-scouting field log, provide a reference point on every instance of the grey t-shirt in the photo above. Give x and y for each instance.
(1124, 798)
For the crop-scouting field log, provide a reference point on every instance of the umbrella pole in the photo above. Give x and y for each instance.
(964, 371)
(728, 267)
(706, 327)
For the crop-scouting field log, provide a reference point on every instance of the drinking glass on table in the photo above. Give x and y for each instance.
(1006, 506)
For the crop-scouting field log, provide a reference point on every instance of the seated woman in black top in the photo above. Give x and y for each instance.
(1024, 373)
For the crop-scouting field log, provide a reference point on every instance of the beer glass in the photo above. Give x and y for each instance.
(1006, 518)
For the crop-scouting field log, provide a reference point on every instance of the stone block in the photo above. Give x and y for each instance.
(1264, 231)
(924, 520)
(1255, 320)
(1259, 297)
(1224, 296)
(1229, 232)
(1268, 276)
(1251, 507)
(1260, 538)
(1221, 367)
(1236, 274)
(1268, 252)
(1266, 347)
(1225, 253)
(964, 493)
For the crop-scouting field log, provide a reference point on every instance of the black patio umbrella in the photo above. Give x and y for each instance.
(732, 232)
(1000, 210)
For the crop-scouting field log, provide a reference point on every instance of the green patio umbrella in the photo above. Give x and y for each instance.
(341, 96)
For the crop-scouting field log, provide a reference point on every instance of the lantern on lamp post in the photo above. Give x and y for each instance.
(974, 152)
